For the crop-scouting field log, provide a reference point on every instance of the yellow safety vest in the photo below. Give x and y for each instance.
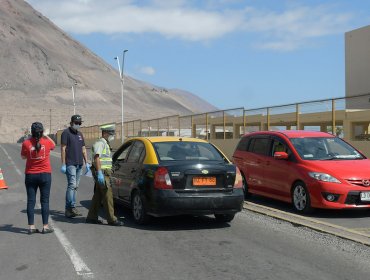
(105, 156)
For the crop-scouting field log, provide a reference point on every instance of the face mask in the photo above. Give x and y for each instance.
(110, 138)
(76, 126)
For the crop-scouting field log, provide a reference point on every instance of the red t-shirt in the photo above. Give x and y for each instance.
(37, 162)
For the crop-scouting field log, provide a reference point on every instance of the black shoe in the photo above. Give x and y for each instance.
(47, 230)
(93, 221)
(69, 213)
(32, 231)
(75, 212)
(116, 223)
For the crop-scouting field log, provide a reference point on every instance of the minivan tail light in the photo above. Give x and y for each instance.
(238, 184)
(162, 179)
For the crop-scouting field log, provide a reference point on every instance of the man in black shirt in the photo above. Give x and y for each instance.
(73, 156)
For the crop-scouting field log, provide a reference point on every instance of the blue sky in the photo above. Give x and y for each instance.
(232, 53)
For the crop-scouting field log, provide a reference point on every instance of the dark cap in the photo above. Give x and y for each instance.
(76, 118)
(37, 127)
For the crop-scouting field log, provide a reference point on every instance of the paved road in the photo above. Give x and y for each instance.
(253, 247)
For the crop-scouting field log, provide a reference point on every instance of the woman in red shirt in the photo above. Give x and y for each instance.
(36, 152)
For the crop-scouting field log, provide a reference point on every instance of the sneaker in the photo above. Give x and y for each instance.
(116, 223)
(93, 221)
(69, 213)
(32, 231)
(76, 212)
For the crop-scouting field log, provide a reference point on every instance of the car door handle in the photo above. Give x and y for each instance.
(116, 166)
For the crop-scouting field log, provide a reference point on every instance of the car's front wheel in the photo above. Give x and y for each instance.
(224, 218)
(138, 209)
(301, 198)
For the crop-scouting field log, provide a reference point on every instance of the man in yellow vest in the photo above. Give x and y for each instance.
(102, 170)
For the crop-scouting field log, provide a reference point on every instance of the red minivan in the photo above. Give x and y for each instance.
(309, 169)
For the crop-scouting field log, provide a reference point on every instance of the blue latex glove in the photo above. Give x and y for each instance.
(87, 168)
(100, 176)
(63, 169)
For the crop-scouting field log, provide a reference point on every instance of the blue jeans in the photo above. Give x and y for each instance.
(73, 179)
(34, 181)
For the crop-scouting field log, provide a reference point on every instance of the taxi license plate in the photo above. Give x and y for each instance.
(365, 196)
(204, 181)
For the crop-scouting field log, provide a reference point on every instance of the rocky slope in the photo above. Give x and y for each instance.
(39, 65)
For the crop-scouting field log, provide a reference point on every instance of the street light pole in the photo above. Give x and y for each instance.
(73, 97)
(120, 70)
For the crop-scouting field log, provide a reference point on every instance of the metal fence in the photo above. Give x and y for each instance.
(347, 117)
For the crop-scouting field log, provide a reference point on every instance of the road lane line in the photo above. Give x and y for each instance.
(81, 268)
(11, 161)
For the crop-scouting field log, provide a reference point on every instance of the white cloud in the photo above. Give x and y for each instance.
(293, 28)
(147, 70)
(284, 30)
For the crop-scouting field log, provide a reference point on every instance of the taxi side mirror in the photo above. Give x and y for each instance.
(280, 155)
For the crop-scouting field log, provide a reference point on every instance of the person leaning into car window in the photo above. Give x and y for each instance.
(36, 152)
(102, 171)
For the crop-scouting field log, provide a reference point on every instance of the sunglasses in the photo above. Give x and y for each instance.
(78, 123)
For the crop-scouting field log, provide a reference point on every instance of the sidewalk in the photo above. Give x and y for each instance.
(343, 232)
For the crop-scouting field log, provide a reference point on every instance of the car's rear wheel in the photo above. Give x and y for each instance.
(245, 187)
(301, 198)
(224, 218)
(139, 209)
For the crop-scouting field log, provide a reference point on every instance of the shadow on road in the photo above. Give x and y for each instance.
(59, 216)
(11, 228)
(173, 223)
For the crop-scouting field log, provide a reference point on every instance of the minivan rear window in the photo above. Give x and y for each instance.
(259, 146)
(243, 144)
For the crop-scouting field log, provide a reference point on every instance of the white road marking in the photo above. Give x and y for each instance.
(81, 268)
(11, 161)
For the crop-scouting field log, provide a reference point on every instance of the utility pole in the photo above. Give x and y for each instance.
(50, 123)
(73, 97)
(120, 70)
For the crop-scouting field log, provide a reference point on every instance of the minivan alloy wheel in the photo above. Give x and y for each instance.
(301, 198)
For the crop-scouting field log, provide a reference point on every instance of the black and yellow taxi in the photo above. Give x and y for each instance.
(165, 176)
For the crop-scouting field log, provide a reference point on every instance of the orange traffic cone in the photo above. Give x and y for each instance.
(2, 181)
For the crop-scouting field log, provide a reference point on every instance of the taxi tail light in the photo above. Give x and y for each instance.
(238, 184)
(162, 179)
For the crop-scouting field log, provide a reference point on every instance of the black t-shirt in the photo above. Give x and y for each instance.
(74, 142)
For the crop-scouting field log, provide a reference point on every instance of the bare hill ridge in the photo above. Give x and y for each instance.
(40, 63)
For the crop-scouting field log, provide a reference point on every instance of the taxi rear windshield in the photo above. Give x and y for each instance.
(186, 151)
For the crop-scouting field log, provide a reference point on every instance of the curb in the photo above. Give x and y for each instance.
(311, 223)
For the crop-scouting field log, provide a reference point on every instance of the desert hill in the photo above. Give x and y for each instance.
(39, 65)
